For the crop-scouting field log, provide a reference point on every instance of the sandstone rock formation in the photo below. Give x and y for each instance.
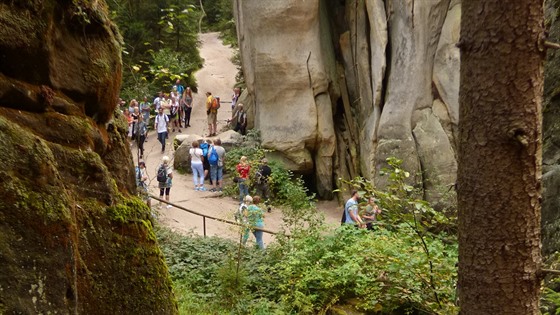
(72, 237)
(348, 84)
(390, 72)
(182, 158)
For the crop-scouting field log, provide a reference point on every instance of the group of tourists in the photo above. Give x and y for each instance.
(173, 112)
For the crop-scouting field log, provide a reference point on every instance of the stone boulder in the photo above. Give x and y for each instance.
(73, 236)
(182, 159)
(290, 84)
(230, 139)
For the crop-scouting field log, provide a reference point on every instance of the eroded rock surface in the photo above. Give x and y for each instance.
(72, 237)
(339, 89)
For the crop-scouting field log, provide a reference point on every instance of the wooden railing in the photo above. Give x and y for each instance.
(204, 216)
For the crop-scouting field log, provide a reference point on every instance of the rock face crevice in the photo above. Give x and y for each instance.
(388, 71)
(73, 238)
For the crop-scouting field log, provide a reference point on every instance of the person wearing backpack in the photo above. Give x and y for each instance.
(212, 106)
(164, 176)
(204, 146)
(216, 155)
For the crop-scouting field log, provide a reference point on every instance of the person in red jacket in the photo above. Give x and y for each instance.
(243, 169)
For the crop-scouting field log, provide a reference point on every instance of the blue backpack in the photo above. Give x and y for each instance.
(213, 158)
(204, 147)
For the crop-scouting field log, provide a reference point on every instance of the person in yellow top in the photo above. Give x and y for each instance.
(212, 115)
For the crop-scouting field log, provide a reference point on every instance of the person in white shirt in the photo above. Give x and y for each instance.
(161, 123)
(196, 166)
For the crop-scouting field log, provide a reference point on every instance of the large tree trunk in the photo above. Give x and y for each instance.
(499, 171)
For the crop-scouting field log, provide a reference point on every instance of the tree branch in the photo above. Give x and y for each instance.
(548, 44)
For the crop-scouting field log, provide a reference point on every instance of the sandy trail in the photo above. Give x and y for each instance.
(217, 76)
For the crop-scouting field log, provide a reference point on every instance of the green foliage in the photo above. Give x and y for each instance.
(401, 266)
(288, 190)
(311, 271)
(550, 290)
(219, 18)
(401, 203)
(160, 44)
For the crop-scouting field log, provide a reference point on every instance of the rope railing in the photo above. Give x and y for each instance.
(204, 216)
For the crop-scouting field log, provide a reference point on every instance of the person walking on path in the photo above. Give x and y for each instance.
(212, 113)
(161, 123)
(164, 178)
(255, 219)
(196, 166)
(216, 155)
(243, 169)
(141, 130)
(145, 109)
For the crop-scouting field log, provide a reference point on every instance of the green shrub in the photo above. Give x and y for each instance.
(401, 266)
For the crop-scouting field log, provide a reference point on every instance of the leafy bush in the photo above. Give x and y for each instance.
(400, 266)
(287, 190)
(309, 272)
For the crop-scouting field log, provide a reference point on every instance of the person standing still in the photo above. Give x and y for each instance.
(351, 210)
(241, 120)
(235, 97)
(161, 123)
(217, 170)
(212, 114)
(370, 213)
(196, 166)
(187, 104)
(243, 169)
(261, 180)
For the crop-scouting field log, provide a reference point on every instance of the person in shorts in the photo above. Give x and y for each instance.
(217, 171)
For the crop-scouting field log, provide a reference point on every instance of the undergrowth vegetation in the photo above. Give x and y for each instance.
(402, 266)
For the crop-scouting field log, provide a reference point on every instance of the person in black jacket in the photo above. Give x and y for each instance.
(261, 181)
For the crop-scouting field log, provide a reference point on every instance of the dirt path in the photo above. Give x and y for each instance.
(217, 76)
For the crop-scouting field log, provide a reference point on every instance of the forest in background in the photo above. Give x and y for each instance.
(160, 40)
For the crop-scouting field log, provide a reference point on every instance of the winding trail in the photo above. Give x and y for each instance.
(217, 76)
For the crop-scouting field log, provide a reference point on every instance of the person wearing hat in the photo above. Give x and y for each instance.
(241, 120)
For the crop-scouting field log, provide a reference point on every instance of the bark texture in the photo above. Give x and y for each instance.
(499, 170)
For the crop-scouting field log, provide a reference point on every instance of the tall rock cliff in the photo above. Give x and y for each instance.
(72, 237)
(336, 87)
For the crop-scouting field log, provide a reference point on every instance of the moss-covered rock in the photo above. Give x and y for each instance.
(73, 238)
